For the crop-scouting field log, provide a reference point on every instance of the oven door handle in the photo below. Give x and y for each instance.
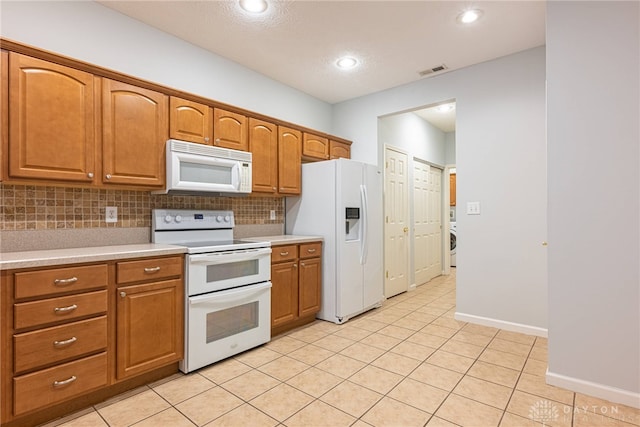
(227, 257)
(230, 295)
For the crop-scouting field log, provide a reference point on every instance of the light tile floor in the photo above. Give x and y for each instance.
(409, 363)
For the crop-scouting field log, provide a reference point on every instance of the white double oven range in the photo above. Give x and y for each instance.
(227, 284)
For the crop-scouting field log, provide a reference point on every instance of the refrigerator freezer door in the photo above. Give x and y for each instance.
(373, 276)
(349, 283)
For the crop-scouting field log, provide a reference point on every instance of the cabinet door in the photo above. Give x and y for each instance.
(52, 121)
(339, 150)
(190, 121)
(284, 293)
(309, 286)
(230, 130)
(149, 326)
(452, 189)
(263, 144)
(135, 130)
(289, 160)
(315, 147)
(4, 110)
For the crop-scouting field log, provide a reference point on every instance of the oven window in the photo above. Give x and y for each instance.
(232, 321)
(232, 270)
(195, 172)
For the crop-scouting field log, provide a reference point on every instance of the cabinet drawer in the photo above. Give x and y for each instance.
(310, 250)
(28, 314)
(59, 280)
(149, 269)
(47, 346)
(54, 385)
(284, 253)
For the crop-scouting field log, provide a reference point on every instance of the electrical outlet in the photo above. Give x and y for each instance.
(272, 215)
(111, 214)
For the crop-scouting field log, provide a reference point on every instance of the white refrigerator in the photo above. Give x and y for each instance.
(342, 202)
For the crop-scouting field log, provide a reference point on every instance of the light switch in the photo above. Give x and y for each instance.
(272, 215)
(473, 208)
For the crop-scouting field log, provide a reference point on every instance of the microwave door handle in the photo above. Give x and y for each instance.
(227, 257)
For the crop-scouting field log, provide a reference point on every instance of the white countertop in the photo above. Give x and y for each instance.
(285, 239)
(11, 260)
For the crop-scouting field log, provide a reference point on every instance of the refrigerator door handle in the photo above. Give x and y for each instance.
(363, 224)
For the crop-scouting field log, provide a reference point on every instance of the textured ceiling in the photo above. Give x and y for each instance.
(298, 42)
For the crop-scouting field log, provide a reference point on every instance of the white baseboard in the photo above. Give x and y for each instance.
(502, 324)
(589, 388)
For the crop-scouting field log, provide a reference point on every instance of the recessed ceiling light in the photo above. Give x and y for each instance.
(445, 108)
(346, 62)
(469, 16)
(254, 6)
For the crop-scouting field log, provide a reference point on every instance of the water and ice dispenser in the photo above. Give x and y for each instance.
(352, 229)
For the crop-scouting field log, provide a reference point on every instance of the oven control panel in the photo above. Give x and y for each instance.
(188, 219)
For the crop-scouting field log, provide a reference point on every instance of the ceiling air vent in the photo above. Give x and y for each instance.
(435, 69)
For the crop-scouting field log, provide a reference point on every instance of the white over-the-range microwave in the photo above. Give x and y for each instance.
(198, 168)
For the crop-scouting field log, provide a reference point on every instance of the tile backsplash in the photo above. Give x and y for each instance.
(29, 207)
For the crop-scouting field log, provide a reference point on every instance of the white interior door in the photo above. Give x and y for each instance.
(421, 207)
(396, 223)
(433, 231)
(427, 225)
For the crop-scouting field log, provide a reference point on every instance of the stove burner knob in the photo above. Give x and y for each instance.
(227, 218)
(219, 218)
(167, 218)
(178, 218)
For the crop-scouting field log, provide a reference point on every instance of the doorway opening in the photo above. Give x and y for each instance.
(426, 138)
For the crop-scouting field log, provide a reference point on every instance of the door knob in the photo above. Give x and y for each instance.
(405, 229)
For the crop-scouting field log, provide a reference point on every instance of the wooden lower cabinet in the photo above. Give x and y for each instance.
(296, 277)
(57, 384)
(149, 326)
(72, 336)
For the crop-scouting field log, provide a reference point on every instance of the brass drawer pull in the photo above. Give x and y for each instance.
(151, 269)
(65, 382)
(311, 250)
(65, 342)
(284, 253)
(64, 282)
(65, 309)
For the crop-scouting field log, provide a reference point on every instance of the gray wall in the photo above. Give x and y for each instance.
(593, 57)
(414, 135)
(90, 32)
(450, 148)
(501, 162)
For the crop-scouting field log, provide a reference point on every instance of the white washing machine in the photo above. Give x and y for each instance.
(453, 237)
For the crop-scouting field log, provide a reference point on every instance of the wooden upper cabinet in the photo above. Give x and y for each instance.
(315, 147)
(339, 150)
(263, 144)
(134, 132)
(452, 189)
(190, 121)
(289, 160)
(52, 121)
(230, 130)
(4, 109)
